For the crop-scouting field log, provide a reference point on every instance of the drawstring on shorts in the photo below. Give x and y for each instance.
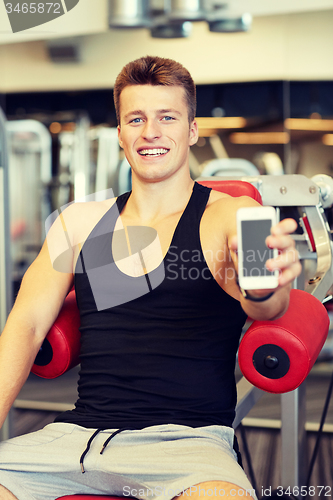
(103, 447)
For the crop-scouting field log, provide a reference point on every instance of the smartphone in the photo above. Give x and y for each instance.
(253, 227)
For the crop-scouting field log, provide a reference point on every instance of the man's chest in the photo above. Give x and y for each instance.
(138, 248)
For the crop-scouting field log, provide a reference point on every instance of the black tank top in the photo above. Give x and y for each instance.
(167, 354)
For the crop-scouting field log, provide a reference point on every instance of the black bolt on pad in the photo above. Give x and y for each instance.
(271, 361)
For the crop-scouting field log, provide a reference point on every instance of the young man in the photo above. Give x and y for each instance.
(161, 316)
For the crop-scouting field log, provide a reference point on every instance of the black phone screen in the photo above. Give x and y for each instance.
(255, 251)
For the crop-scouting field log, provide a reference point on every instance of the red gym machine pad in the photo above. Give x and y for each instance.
(300, 333)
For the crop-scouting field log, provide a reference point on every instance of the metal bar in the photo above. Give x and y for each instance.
(81, 159)
(45, 143)
(247, 396)
(279, 190)
(43, 147)
(108, 158)
(323, 278)
(28, 404)
(5, 261)
(294, 465)
(272, 423)
(3, 249)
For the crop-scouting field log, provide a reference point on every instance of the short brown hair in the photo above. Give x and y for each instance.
(156, 71)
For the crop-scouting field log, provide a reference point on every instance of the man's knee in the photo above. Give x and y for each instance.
(5, 494)
(217, 489)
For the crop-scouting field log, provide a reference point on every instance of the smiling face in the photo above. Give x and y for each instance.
(155, 132)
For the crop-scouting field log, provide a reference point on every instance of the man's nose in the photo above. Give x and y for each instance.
(151, 130)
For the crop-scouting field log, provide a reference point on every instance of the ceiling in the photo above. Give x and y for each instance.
(92, 17)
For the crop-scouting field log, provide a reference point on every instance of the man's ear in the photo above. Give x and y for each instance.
(119, 137)
(194, 133)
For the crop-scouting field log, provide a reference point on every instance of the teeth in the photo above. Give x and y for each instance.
(153, 152)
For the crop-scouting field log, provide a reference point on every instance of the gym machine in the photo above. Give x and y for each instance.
(29, 175)
(305, 199)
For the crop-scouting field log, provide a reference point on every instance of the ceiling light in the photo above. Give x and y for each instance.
(259, 138)
(186, 10)
(129, 13)
(221, 122)
(328, 139)
(228, 23)
(55, 128)
(164, 29)
(308, 124)
(64, 50)
(207, 132)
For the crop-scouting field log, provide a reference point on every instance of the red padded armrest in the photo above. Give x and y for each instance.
(295, 340)
(234, 188)
(278, 355)
(60, 350)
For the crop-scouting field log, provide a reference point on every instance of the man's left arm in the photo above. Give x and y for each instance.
(288, 265)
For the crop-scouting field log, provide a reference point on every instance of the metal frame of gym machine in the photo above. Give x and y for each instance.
(5, 259)
(315, 245)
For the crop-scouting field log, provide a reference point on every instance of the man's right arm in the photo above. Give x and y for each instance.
(38, 303)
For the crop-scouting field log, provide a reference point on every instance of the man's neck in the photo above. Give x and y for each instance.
(150, 202)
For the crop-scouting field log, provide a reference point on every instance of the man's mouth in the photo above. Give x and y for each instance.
(153, 152)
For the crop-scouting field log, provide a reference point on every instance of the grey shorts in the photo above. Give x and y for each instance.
(155, 463)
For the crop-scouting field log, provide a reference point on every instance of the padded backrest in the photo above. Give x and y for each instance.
(233, 188)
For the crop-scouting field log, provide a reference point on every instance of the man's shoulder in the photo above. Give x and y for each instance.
(220, 214)
(93, 207)
(81, 218)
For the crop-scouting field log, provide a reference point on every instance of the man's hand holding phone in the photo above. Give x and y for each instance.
(267, 258)
(287, 261)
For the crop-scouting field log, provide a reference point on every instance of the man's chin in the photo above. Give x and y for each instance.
(151, 177)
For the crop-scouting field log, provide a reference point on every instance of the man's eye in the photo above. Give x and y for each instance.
(136, 120)
(168, 118)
